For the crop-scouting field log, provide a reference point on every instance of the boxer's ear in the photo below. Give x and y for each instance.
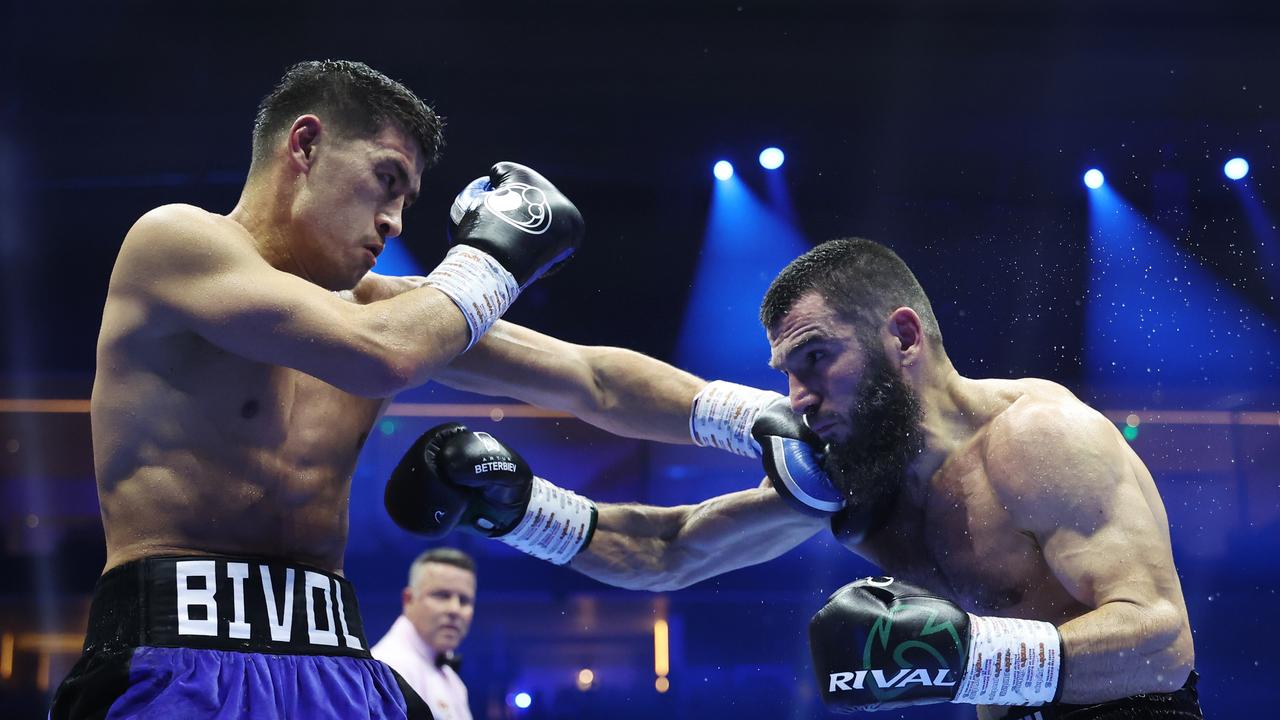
(304, 135)
(908, 333)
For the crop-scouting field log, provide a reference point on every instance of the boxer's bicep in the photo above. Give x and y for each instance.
(1080, 499)
(1062, 473)
(199, 278)
(1067, 480)
(619, 390)
(1101, 543)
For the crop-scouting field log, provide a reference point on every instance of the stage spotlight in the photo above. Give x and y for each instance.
(1093, 179)
(771, 158)
(522, 700)
(1236, 168)
(723, 170)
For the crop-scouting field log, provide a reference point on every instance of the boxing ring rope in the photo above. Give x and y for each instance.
(498, 411)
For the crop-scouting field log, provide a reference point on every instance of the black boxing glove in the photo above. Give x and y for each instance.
(760, 424)
(792, 457)
(423, 497)
(519, 218)
(880, 643)
(453, 477)
(507, 230)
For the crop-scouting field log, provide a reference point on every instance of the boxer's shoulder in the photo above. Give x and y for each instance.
(167, 251)
(176, 238)
(178, 213)
(182, 219)
(1040, 435)
(1037, 416)
(173, 246)
(1004, 392)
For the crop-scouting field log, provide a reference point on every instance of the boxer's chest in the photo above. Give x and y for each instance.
(960, 541)
(293, 414)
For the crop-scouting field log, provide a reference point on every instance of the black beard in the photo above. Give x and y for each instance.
(869, 466)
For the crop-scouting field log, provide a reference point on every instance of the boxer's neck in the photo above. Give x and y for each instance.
(264, 212)
(953, 408)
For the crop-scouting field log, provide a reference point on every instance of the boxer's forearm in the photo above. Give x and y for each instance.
(654, 548)
(638, 396)
(617, 390)
(632, 546)
(1122, 649)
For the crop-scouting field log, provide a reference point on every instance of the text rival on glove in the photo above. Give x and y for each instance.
(920, 676)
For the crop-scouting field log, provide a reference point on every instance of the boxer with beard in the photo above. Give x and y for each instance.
(1028, 548)
(868, 466)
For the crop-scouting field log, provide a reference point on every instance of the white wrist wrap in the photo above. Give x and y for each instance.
(722, 416)
(1011, 662)
(479, 285)
(556, 524)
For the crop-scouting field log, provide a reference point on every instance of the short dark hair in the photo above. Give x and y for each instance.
(863, 280)
(444, 556)
(352, 96)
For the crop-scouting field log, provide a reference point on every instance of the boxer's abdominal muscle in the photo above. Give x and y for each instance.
(230, 457)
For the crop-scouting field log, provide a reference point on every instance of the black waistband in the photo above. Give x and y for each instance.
(1181, 704)
(225, 603)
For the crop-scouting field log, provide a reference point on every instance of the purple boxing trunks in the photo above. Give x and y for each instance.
(228, 637)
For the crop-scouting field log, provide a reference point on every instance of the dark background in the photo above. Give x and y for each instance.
(954, 132)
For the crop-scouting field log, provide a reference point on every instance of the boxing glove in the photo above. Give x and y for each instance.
(880, 643)
(507, 229)
(452, 477)
(760, 424)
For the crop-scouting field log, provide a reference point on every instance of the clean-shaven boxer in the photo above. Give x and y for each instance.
(243, 359)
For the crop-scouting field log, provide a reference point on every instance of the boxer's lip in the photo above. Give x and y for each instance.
(375, 248)
(824, 427)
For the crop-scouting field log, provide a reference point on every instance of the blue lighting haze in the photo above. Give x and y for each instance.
(747, 242)
(396, 260)
(1156, 316)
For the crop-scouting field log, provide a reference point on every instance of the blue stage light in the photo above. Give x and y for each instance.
(1093, 179)
(771, 158)
(723, 170)
(523, 700)
(1236, 168)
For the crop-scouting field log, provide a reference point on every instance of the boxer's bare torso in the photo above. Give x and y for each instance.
(1020, 522)
(200, 450)
(993, 529)
(202, 446)
(958, 537)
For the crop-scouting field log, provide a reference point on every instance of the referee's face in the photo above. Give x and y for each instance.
(441, 604)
